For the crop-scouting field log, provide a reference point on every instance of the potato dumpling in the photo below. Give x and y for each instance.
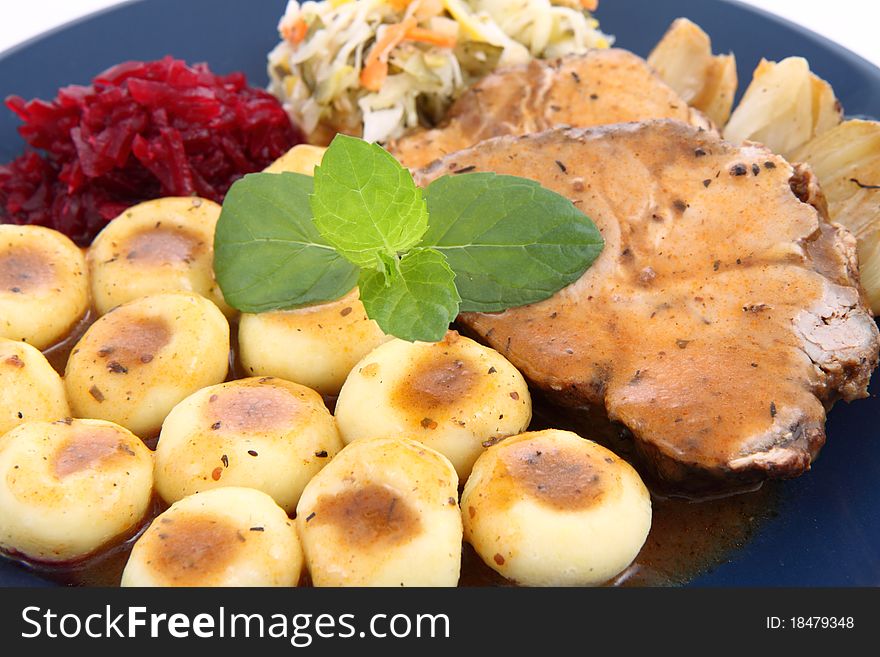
(163, 245)
(382, 513)
(31, 389)
(43, 285)
(136, 363)
(69, 487)
(262, 433)
(548, 508)
(302, 158)
(452, 395)
(316, 346)
(223, 537)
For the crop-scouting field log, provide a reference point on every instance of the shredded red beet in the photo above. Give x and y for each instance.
(142, 130)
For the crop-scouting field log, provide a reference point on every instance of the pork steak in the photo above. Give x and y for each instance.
(596, 88)
(723, 317)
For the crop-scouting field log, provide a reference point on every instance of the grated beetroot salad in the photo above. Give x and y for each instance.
(142, 130)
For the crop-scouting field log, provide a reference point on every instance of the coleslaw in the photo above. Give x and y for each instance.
(376, 68)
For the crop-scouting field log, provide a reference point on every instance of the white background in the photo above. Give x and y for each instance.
(852, 23)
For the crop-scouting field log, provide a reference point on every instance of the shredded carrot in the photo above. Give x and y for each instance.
(590, 5)
(295, 33)
(399, 5)
(428, 36)
(375, 70)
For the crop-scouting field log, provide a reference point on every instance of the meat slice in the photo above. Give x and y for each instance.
(722, 318)
(597, 88)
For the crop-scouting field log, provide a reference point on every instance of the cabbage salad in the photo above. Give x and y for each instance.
(376, 68)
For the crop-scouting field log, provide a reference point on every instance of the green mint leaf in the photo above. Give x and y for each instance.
(509, 241)
(366, 203)
(417, 301)
(268, 253)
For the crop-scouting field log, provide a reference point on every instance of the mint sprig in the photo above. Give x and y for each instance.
(366, 204)
(470, 242)
(509, 241)
(268, 254)
(418, 301)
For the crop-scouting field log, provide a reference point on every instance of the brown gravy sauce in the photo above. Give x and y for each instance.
(59, 353)
(190, 547)
(688, 538)
(438, 381)
(369, 516)
(89, 447)
(255, 408)
(559, 478)
(24, 270)
(101, 568)
(163, 245)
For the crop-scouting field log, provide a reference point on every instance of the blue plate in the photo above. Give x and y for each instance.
(827, 531)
